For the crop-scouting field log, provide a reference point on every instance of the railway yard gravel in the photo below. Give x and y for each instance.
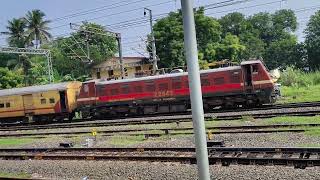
(150, 170)
(157, 170)
(242, 140)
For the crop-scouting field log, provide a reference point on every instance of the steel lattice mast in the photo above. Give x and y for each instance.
(44, 52)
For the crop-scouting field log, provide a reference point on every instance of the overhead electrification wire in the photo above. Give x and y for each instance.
(247, 7)
(113, 14)
(224, 4)
(98, 9)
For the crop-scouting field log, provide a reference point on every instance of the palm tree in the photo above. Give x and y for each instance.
(37, 27)
(16, 32)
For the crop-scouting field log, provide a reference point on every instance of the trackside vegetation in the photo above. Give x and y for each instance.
(299, 86)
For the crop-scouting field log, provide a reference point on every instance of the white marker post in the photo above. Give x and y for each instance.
(191, 53)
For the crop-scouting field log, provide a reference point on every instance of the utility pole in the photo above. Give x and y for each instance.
(88, 47)
(118, 37)
(153, 42)
(113, 34)
(191, 52)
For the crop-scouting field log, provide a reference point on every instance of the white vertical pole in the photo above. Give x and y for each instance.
(191, 53)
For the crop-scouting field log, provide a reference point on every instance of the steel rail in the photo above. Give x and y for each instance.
(175, 131)
(166, 119)
(297, 157)
(170, 117)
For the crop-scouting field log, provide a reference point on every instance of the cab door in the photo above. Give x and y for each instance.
(28, 103)
(247, 78)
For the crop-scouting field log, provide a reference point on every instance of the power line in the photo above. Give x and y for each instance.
(113, 14)
(98, 9)
(247, 7)
(224, 4)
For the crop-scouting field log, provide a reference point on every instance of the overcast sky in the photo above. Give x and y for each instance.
(111, 13)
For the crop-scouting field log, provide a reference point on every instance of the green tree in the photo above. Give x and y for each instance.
(255, 47)
(16, 32)
(230, 48)
(38, 73)
(234, 23)
(69, 54)
(9, 79)
(37, 27)
(273, 27)
(313, 41)
(169, 37)
(284, 20)
(282, 53)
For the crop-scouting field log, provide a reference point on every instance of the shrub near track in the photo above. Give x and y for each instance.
(299, 86)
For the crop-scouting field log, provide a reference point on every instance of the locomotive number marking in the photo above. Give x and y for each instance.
(163, 93)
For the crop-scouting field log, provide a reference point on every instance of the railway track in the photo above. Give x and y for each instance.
(156, 132)
(297, 157)
(172, 119)
(217, 114)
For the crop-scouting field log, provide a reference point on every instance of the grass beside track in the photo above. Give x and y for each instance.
(126, 140)
(14, 175)
(9, 142)
(291, 120)
(300, 94)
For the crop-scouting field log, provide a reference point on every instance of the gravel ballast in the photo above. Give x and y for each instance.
(147, 170)
(285, 139)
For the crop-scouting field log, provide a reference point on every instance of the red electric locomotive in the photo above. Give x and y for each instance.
(248, 84)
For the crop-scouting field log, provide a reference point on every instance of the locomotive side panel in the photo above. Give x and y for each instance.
(245, 85)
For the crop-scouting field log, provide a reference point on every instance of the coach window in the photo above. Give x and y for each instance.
(114, 91)
(1, 105)
(125, 89)
(176, 85)
(8, 105)
(205, 82)
(150, 88)
(187, 84)
(163, 87)
(101, 90)
(219, 81)
(51, 100)
(235, 77)
(138, 89)
(43, 101)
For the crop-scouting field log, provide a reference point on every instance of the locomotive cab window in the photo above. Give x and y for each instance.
(43, 101)
(1, 105)
(255, 69)
(8, 105)
(51, 100)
